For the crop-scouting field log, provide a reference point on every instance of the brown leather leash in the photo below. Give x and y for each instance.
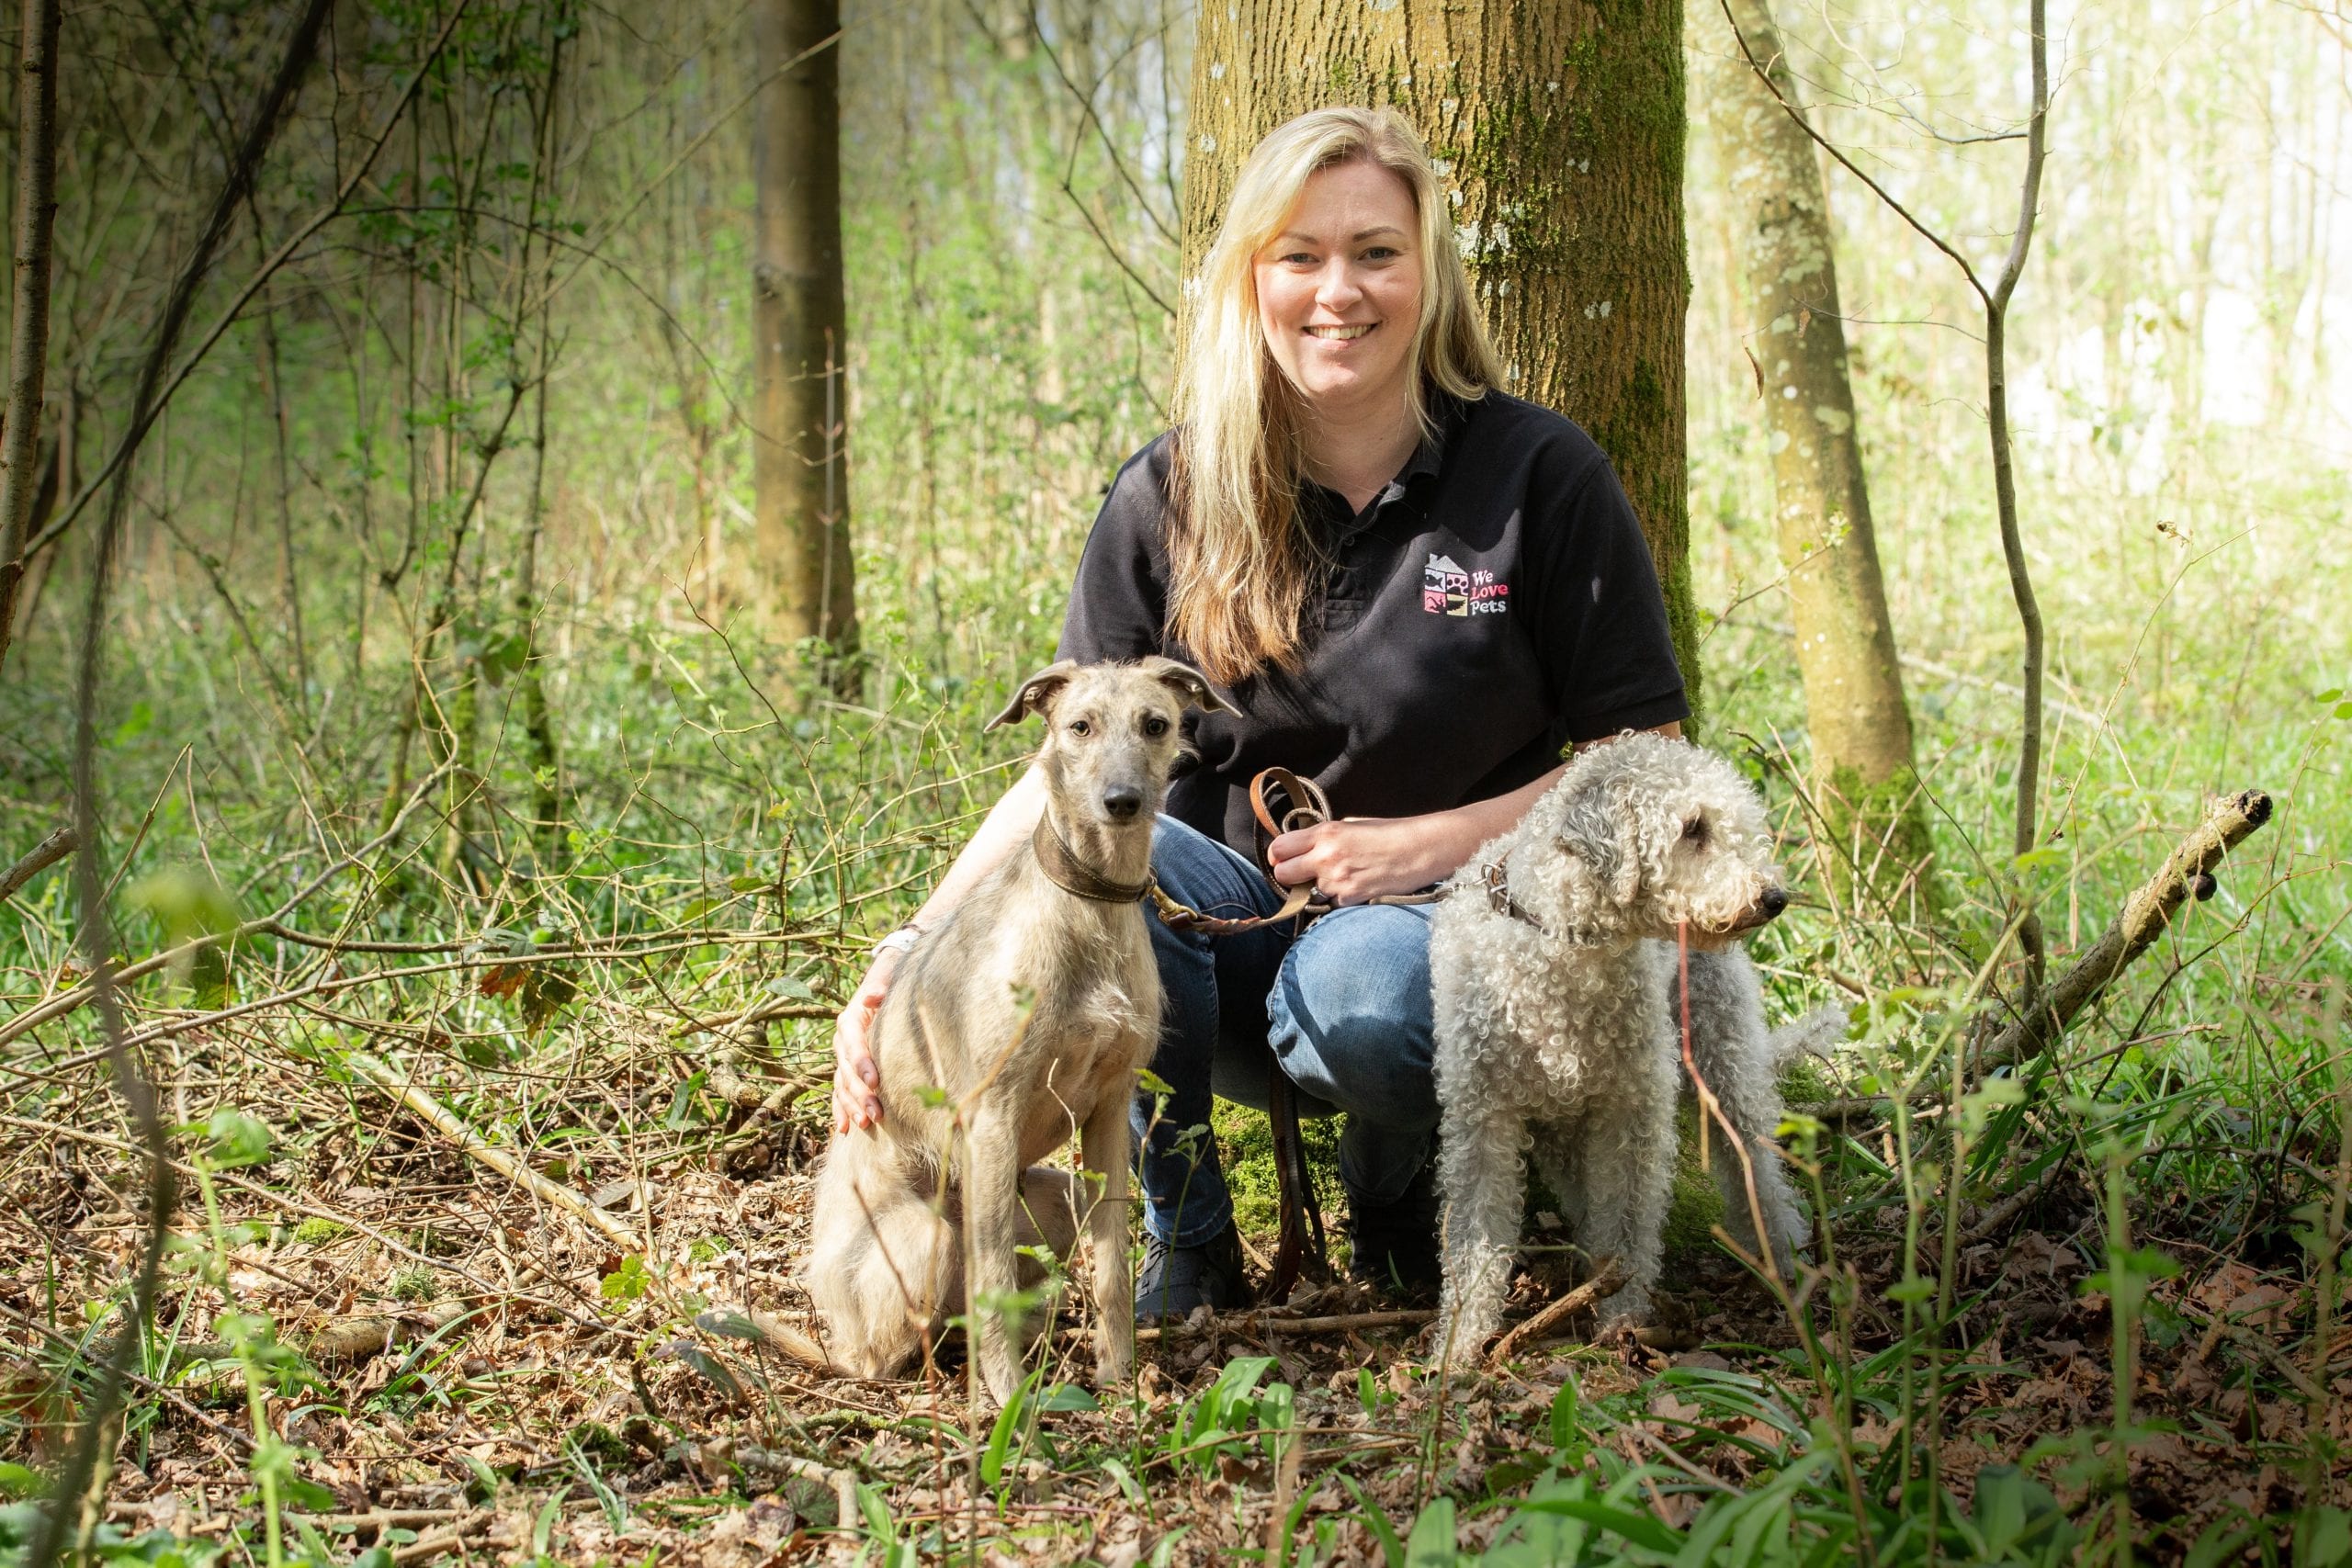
(1302, 804)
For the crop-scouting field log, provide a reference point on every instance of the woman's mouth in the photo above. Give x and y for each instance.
(1343, 334)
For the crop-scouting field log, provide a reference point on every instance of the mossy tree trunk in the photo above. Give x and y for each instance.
(1558, 127)
(1861, 726)
(800, 331)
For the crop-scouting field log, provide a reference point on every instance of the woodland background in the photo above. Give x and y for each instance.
(488, 802)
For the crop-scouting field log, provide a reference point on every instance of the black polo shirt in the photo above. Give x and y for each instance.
(1495, 604)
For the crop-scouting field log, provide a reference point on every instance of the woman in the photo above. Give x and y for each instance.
(1414, 588)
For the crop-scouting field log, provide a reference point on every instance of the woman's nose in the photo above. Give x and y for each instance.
(1337, 288)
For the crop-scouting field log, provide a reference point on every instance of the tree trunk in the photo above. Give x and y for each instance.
(799, 330)
(1861, 725)
(1558, 128)
(29, 324)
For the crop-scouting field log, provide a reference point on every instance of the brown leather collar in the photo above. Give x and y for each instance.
(1498, 896)
(1066, 872)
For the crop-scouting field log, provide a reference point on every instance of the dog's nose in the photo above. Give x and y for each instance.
(1775, 899)
(1123, 801)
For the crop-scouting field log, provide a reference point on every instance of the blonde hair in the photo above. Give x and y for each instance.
(1240, 564)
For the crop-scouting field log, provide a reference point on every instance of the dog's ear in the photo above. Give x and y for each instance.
(1597, 827)
(1036, 694)
(1186, 682)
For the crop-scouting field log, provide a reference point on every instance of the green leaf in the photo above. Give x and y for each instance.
(1432, 1542)
(1919, 1288)
(308, 1497)
(1152, 1083)
(1639, 1528)
(730, 1325)
(2333, 695)
(1563, 1416)
(1375, 1520)
(627, 1283)
(17, 1482)
(1068, 1397)
(1007, 1423)
(712, 1369)
(141, 716)
(237, 1139)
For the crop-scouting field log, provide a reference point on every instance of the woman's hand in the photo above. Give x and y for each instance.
(1357, 858)
(858, 1082)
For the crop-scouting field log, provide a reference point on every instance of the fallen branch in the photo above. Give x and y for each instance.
(447, 1122)
(1254, 1323)
(1606, 1281)
(43, 855)
(2187, 872)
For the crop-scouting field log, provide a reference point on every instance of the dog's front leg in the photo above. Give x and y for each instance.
(1103, 1151)
(991, 1219)
(1629, 1181)
(1479, 1173)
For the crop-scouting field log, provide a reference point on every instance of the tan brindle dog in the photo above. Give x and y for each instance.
(1022, 1015)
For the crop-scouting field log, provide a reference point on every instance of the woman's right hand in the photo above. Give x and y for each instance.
(858, 1082)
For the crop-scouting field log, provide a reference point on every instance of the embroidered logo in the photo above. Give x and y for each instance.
(1447, 590)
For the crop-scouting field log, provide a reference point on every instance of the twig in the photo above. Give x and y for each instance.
(43, 855)
(1606, 1281)
(278, 258)
(450, 1127)
(2228, 821)
(2247, 1339)
(1261, 1323)
(91, 894)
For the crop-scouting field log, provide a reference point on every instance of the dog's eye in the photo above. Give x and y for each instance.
(1079, 726)
(1154, 726)
(1694, 831)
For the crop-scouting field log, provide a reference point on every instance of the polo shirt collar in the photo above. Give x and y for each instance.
(1446, 413)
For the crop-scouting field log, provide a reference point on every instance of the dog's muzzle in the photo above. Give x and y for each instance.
(1765, 910)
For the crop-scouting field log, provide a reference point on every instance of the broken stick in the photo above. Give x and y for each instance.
(2187, 872)
(1606, 1281)
(39, 858)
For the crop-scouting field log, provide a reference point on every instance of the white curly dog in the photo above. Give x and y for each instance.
(1559, 1028)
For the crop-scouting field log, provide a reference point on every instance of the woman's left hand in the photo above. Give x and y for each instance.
(1358, 858)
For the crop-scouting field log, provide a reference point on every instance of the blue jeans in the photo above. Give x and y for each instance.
(1343, 1008)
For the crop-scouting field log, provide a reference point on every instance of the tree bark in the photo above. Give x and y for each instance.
(29, 321)
(800, 331)
(1559, 128)
(1861, 726)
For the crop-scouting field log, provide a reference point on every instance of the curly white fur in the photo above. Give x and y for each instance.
(1560, 1036)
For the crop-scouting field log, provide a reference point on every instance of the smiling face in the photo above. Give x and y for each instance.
(1340, 290)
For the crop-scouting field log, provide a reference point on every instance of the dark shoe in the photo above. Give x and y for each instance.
(1394, 1245)
(1175, 1280)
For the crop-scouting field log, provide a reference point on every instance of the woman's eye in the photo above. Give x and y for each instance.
(1382, 253)
(1154, 726)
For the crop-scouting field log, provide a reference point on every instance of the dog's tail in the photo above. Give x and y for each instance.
(778, 1334)
(1816, 1034)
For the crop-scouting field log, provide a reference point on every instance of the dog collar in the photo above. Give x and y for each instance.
(1498, 896)
(1066, 870)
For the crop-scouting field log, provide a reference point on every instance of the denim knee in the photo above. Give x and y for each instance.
(1350, 1015)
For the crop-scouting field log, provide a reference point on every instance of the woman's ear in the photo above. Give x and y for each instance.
(1186, 682)
(1036, 694)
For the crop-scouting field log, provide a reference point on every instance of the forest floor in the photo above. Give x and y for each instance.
(491, 1378)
